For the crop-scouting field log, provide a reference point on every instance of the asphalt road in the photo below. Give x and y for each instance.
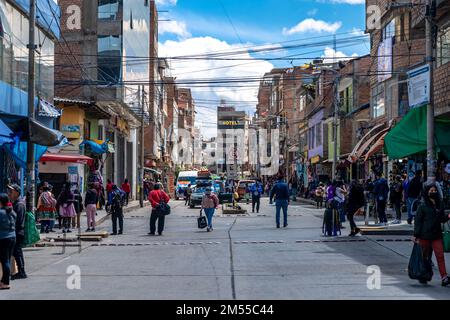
(245, 257)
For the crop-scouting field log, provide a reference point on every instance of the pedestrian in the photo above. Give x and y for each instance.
(117, 202)
(380, 192)
(155, 198)
(66, 207)
(395, 193)
(294, 188)
(46, 210)
(18, 206)
(187, 194)
(78, 204)
(210, 203)
(428, 229)
(413, 193)
(340, 194)
(329, 191)
(319, 196)
(7, 239)
(356, 203)
(90, 202)
(256, 190)
(280, 192)
(127, 189)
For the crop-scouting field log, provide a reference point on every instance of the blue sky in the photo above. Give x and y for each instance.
(201, 26)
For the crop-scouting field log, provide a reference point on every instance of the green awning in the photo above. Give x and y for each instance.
(409, 137)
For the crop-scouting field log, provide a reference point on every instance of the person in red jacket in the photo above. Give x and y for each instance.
(155, 197)
(127, 189)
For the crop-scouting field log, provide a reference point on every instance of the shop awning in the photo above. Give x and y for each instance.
(95, 147)
(370, 142)
(6, 135)
(44, 136)
(46, 109)
(356, 154)
(377, 146)
(67, 158)
(153, 171)
(409, 137)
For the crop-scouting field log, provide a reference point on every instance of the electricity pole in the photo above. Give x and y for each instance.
(30, 171)
(431, 155)
(142, 160)
(335, 126)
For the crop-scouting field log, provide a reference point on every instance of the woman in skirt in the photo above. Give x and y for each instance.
(46, 212)
(66, 206)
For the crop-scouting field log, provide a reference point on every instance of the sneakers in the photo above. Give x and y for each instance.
(88, 230)
(19, 276)
(396, 222)
(409, 221)
(285, 226)
(208, 229)
(446, 282)
(151, 234)
(278, 226)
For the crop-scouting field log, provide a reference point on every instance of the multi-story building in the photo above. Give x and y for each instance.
(95, 73)
(186, 121)
(14, 38)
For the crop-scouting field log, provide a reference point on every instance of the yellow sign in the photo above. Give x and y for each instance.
(315, 159)
(230, 123)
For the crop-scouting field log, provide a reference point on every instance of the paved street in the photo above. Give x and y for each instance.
(246, 257)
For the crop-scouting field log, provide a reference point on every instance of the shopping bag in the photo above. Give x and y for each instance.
(201, 221)
(446, 237)
(419, 268)
(31, 233)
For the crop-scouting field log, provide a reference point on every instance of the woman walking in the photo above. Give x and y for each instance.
(7, 239)
(356, 203)
(156, 196)
(90, 203)
(67, 211)
(210, 203)
(46, 210)
(428, 229)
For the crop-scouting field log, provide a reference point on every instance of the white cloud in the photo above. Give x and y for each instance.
(214, 69)
(174, 27)
(166, 2)
(357, 32)
(330, 54)
(312, 25)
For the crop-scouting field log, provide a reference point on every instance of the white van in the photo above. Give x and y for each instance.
(185, 178)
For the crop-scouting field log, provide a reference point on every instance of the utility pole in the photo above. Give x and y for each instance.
(336, 118)
(142, 159)
(30, 172)
(431, 155)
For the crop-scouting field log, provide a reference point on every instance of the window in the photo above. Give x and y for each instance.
(319, 134)
(389, 30)
(87, 130)
(347, 99)
(378, 101)
(100, 132)
(302, 104)
(109, 58)
(443, 47)
(108, 9)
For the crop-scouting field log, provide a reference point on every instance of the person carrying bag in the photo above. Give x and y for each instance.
(160, 209)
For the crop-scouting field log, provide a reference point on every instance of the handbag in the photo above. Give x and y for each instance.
(31, 234)
(201, 221)
(163, 209)
(446, 238)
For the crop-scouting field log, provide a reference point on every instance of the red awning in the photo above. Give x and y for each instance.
(379, 145)
(48, 157)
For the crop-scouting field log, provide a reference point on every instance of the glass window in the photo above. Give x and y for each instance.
(108, 9)
(109, 58)
(444, 47)
(319, 134)
(389, 30)
(302, 103)
(378, 101)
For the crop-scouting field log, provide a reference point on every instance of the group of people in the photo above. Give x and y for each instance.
(12, 235)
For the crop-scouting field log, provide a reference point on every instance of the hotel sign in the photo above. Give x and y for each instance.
(231, 124)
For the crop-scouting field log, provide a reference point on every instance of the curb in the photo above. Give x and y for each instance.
(125, 210)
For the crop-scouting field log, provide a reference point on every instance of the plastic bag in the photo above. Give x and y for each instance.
(32, 235)
(446, 239)
(419, 268)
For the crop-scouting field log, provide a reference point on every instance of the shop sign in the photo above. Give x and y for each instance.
(315, 160)
(419, 86)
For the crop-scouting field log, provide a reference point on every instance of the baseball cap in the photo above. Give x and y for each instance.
(15, 187)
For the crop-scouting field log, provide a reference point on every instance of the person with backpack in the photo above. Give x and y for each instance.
(46, 209)
(157, 197)
(396, 192)
(90, 202)
(7, 239)
(117, 201)
(413, 194)
(428, 229)
(381, 192)
(19, 209)
(256, 190)
(210, 203)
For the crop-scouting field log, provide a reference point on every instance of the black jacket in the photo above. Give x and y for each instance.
(19, 209)
(415, 188)
(428, 224)
(91, 197)
(356, 199)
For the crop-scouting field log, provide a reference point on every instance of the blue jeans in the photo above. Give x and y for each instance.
(409, 205)
(281, 204)
(294, 192)
(209, 212)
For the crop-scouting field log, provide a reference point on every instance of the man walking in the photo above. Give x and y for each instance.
(19, 208)
(256, 190)
(381, 192)
(117, 200)
(413, 193)
(280, 192)
(127, 189)
(187, 194)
